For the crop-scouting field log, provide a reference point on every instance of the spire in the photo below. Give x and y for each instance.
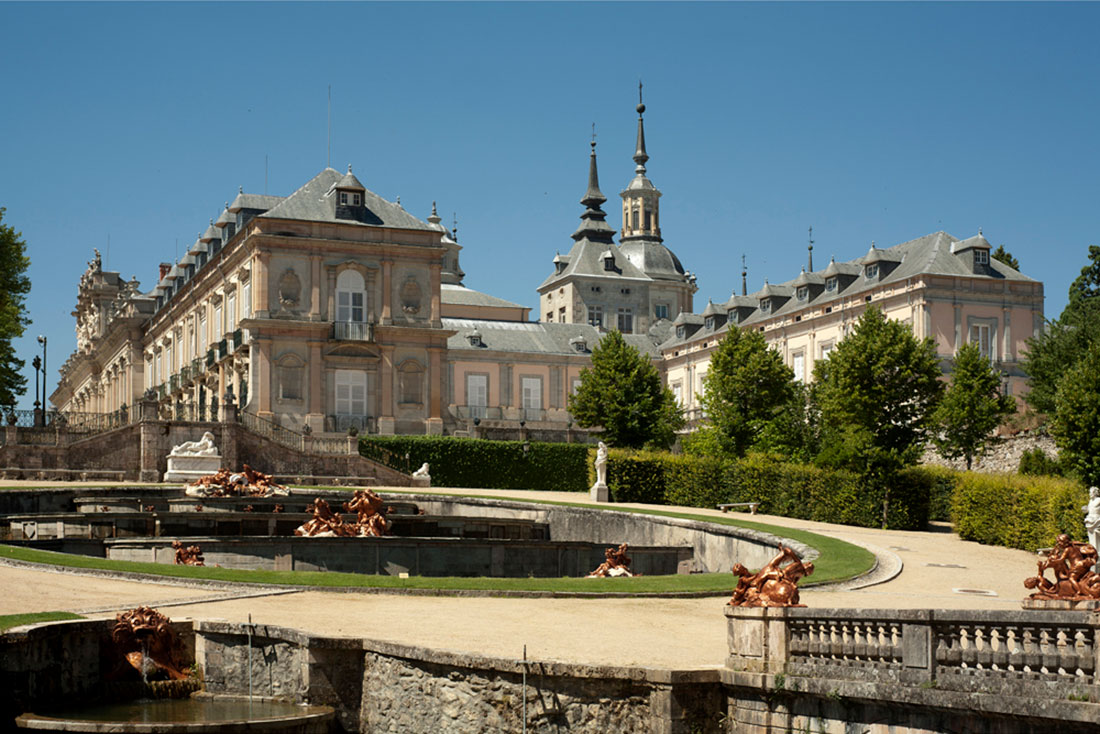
(744, 276)
(811, 249)
(592, 224)
(640, 156)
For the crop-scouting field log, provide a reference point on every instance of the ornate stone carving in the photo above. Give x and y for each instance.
(1092, 515)
(290, 290)
(599, 491)
(617, 564)
(410, 296)
(422, 472)
(774, 585)
(203, 447)
(1071, 563)
(224, 483)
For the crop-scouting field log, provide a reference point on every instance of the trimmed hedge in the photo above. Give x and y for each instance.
(782, 488)
(475, 462)
(1017, 511)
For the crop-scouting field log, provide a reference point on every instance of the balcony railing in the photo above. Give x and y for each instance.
(534, 414)
(481, 412)
(185, 375)
(352, 331)
(223, 349)
(174, 383)
(238, 339)
(209, 358)
(197, 366)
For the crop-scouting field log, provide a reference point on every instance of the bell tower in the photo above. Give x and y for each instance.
(641, 199)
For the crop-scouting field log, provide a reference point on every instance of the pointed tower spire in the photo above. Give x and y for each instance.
(640, 156)
(592, 224)
(810, 263)
(744, 277)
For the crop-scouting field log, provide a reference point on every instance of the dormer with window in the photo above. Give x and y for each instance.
(773, 297)
(713, 316)
(579, 344)
(560, 263)
(877, 264)
(807, 287)
(609, 263)
(838, 276)
(349, 197)
(474, 337)
(975, 254)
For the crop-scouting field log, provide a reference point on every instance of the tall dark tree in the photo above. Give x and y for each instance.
(972, 407)
(623, 394)
(876, 393)
(1003, 255)
(747, 389)
(1076, 421)
(1065, 340)
(14, 287)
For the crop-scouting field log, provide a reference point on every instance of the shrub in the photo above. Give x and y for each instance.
(1017, 512)
(1036, 462)
(473, 462)
(942, 487)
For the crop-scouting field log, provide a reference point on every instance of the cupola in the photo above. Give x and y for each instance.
(975, 253)
(349, 196)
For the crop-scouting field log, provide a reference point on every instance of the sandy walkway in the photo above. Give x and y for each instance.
(651, 632)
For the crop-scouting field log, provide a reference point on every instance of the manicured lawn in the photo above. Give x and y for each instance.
(7, 621)
(838, 561)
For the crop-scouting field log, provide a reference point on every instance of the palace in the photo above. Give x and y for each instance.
(333, 308)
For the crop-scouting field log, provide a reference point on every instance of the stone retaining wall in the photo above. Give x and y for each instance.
(1003, 456)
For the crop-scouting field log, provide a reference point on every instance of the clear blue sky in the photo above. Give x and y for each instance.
(867, 121)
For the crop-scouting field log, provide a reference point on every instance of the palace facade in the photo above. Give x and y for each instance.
(332, 307)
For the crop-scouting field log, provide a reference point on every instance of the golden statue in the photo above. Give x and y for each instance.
(773, 585)
(617, 564)
(145, 638)
(1071, 563)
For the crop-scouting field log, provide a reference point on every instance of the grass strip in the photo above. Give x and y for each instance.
(7, 621)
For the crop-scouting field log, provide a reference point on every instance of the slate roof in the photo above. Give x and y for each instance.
(312, 203)
(460, 295)
(254, 201)
(532, 337)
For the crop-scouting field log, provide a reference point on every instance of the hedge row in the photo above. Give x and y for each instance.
(781, 488)
(1025, 512)
(471, 462)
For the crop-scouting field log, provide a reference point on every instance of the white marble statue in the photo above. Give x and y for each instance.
(601, 463)
(1092, 516)
(203, 447)
(599, 491)
(422, 472)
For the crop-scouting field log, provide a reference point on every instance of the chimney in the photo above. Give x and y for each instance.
(165, 268)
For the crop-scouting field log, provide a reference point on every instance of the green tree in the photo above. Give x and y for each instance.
(1065, 340)
(1005, 256)
(1076, 421)
(972, 407)
(14, 287)
(747, 388)
(876, 393)
(622, 393)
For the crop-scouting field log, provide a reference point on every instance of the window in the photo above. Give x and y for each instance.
(732, 317)
(532, 397)
(350, 297)
(765, 305)
(549, 317)
(678, 393)
(351, 392)
(595, 316)
(561, 314)
(576, 385)
(355, 200)
(290, 382)
(246, 299)
(803, 293)
(171, 362)
(661, 311)
(871, 271)
(830, 284)
(624, 291)
(218, 326)
(981, 257)
(343, 198)
(648, 220)
(609, 262)
(982, 335)
(477, 395)
(826, 349)
(231, 310)
(204, 336)
(799, 365)
(626, 320)
(160, 368)
(634, 218)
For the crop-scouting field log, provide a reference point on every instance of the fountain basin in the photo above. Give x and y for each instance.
(191, 715)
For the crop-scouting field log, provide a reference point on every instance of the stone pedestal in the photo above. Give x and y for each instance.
(1061, 605)
(187, 469)
(599, 492)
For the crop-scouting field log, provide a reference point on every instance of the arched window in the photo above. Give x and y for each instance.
(410, 382)
(351, 297)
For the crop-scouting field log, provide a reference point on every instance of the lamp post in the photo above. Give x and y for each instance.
(37, 364)
(42, 341)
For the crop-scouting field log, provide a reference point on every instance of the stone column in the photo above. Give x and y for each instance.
(959, 336)
(330, 313)
(315, 288)
(262, 385)
(435, 386)
(387, 292)
(434, 285)
(261, 294)
(316, 416)
(386, 423)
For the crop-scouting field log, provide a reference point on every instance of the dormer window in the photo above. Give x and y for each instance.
(871, 271)
(609, 262)
(474, 337)
(981, 257)
(579, 344)
(732, 317)
(344, 198)
(711, 322)
(765, 305)
(830, 284)
(355, 200)
(681, 332)
(803, 293)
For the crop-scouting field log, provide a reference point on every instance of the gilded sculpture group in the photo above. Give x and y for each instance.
(1071, 562)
